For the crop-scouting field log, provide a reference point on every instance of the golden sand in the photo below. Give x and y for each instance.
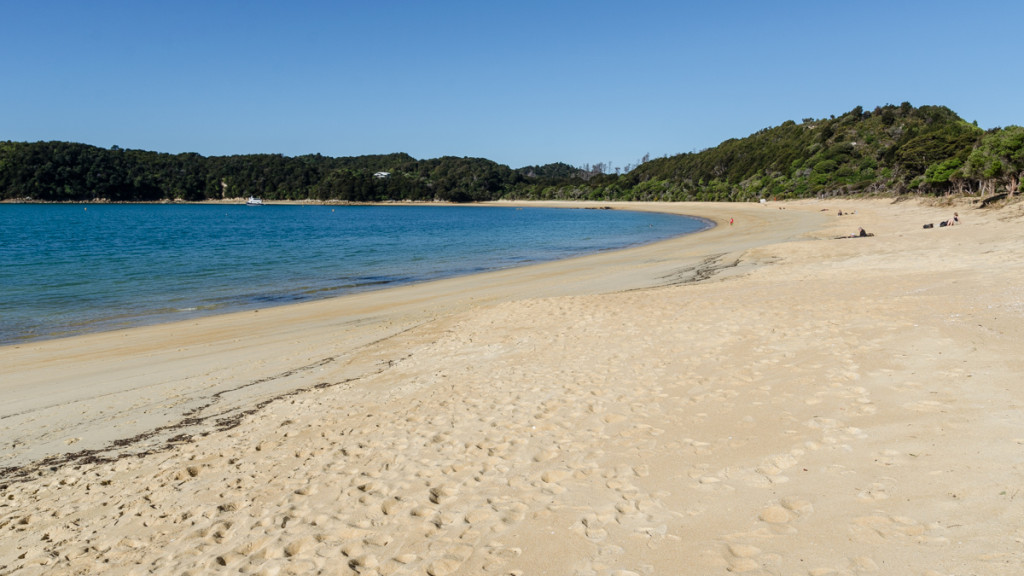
(760, 398)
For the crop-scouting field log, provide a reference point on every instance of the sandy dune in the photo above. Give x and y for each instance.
(761, 398)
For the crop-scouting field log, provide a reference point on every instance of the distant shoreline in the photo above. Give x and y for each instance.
(563, 204)
(241, 202)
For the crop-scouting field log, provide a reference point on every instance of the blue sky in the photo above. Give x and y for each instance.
(521, 83)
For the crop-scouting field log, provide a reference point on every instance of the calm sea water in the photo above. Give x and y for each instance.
(68, 269)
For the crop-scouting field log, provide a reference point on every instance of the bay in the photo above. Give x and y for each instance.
(69, 269)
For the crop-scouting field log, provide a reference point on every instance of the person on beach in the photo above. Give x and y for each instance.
(861, 233)
(730, 221)
(954, 220)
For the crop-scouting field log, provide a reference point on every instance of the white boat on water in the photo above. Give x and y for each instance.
(254, 201)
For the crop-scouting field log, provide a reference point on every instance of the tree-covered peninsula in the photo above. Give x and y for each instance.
(888, 150)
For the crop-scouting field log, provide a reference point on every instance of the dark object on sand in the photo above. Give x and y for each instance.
(929, 225)
(860, 234)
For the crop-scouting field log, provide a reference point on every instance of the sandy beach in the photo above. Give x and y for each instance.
(766, 397)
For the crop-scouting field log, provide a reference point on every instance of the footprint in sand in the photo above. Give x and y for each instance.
(880, 490)
(742, 558)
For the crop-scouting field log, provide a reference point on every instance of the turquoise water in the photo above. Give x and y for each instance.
(69, 269)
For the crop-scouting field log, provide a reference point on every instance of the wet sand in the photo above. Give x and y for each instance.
(760, 398)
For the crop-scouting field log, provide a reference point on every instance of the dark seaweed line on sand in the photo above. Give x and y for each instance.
(230, 419)
(699, 272)
(222, 421)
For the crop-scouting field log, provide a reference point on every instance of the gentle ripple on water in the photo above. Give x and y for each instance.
(68, 269)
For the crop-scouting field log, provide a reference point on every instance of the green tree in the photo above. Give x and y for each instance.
(999, 159)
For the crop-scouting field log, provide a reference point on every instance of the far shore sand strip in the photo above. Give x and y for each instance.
(759, 398)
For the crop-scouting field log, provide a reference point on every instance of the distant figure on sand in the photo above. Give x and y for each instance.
(730, 221)
(861, 233)
(954, 220)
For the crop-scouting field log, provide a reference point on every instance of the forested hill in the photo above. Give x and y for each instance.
(888, 150)
(891, 149)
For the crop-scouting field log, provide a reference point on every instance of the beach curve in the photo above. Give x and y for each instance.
(850, 408)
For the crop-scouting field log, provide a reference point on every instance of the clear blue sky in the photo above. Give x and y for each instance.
(521, 83)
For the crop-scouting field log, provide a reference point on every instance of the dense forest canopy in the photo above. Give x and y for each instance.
(888, 150)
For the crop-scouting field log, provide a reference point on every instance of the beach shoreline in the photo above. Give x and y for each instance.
(362, 321)
(290, 266)
(757, 398)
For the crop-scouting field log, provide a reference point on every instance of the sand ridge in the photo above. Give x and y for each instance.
(818, 406)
